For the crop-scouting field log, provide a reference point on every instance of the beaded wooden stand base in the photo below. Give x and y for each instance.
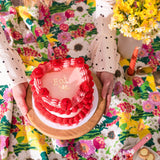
(69, 133)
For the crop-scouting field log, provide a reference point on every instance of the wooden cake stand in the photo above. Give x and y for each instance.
(68, 133)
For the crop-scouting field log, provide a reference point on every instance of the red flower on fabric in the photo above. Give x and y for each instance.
(69, 13)
(80, 62)
(66, 103)
(44, 91)
(37, 72)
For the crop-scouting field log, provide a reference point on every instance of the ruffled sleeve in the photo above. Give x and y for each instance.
(103, 48)
(11, 66)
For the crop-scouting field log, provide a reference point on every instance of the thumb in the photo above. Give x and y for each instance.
(22, 105)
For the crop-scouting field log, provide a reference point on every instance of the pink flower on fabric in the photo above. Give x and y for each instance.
(8, 95)
(137, 81)
(156, 111)
(89, 26)
(143, 53)
(118, 88)
(29, 38)
(3, 109)
(58, 18)
(154, 97)
(12, 10)
(91, 158)
(85, 148)
(64, 37)
(69, 13)
(148, 106)
(61, 143)
(64, 27)
(111, 112)
(126, 107)
(38, 32)
(99, 142)
(16, 35)
(3, 142)
(157, 54)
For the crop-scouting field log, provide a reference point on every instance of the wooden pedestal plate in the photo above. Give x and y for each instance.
(69, 133)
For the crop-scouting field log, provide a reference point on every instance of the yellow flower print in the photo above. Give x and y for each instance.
(51, 39)
(23, 12)
(38, 141)
(23, 131)
(125, 118)
(92, 1)
(152, 85)
(139, 128)
(32, 137)
(124, 62)
(29, 61)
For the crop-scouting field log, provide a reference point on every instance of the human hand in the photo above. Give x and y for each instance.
(107, 80)
(19, 94)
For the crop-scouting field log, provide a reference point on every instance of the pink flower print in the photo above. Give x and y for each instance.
(89, 26)
(156, 111)
(19, 50)
(148, 47)
(69, 13)
(38, 32)
(128, 90)
(137, 81)
(154, 97)
(143, 53)
(46, 28)
(61, 143)
(111, 112)
(64, 27)
(3, 109)
(14, 120)
(126, 107)
(147, 106)
(153, 62)
(16, 35)
(64, 48)
(157, 54)
(64, 37)
(118, 88)
(85, 148)
(57, 52)
(50, 51)
(29, 38)
(8, 95)
(3, 142)
(91, 158)
(58, 18)
(99, 142)
(12, 10)
(31, 52)
(6, 32)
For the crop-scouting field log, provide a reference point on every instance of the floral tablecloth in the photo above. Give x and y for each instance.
(135, 107)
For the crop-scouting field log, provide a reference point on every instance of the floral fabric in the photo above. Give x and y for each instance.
(65, 30)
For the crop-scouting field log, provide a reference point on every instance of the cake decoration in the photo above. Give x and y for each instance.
(63, 90)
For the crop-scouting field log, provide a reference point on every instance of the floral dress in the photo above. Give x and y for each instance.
(65, 31)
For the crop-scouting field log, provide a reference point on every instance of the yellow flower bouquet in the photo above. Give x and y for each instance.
(137, 18)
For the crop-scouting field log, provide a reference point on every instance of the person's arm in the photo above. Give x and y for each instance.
(12, 72)
(104, 49)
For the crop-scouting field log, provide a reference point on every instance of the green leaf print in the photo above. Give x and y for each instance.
(90, 135)
(22, 147)
(44, 156)
(58, 7)
(5, 126)
(20, 139)
(123, 126)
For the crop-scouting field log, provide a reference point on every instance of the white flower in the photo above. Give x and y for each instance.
(80, 9)
(78, 47)
(111, 134)
(4, 153)
(152, 122)
(156, 140)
